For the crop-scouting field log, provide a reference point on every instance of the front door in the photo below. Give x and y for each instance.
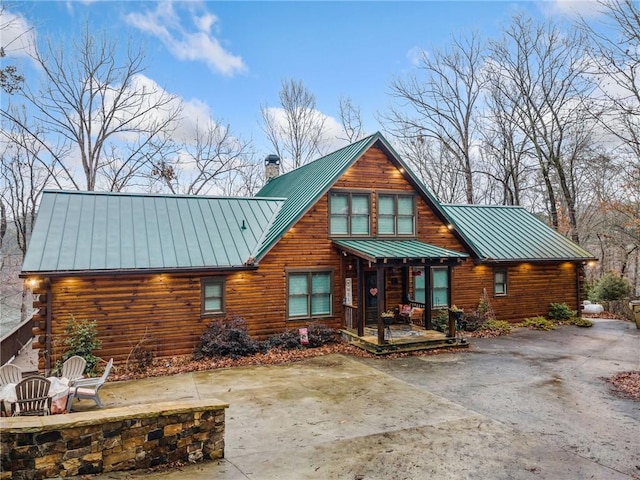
(371, 298)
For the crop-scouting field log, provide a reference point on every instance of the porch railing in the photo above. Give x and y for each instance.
(350, 316)
(15, 340)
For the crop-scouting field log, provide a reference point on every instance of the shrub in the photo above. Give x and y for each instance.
(499, 327)
(288, 340)
(321, 335)
(441, 321)
(581, 322)
(473, 321)
(538, 323)
(226, 338)
(82, 339)
(561, 312)
(611, 287)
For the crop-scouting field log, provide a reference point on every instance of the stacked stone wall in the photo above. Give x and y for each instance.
(126, 438)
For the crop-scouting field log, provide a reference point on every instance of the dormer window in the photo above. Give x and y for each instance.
(396, 215)
(349, 214)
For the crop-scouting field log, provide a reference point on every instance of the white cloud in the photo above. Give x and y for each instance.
(192, 44)
(18, 37)
(571, 8)
(416, 55)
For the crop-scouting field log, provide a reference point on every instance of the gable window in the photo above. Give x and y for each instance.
(349, 214)
(212, 295)
(500, 282)
(440, 287)
(309, 294)
(396, 215)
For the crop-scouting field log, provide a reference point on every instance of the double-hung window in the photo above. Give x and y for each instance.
(212, 295)
(500, 282)
(396, 215)
(309, 294)
(349, 214)
(439, 287)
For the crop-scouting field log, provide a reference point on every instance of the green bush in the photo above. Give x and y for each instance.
(82, 339)
(496, 326)
(611, 287)
(581, 322)
(473, 321)
(538, 323)
(441, 321)
(561, 312)
(226, 338)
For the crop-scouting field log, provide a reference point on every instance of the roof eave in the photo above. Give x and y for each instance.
(134, 271)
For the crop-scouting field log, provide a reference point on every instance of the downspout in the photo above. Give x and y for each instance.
(48, 342)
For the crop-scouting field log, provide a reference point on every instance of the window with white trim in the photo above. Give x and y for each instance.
(349, 214)
(309, 294)
(500, 282)
(396, 215)
(213, 295)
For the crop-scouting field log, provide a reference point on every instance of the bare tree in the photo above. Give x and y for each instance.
(106, 112)
(350, 119)
(10, 77)
(295, 129)
(539, 73)
(441, 104)
(208, 162)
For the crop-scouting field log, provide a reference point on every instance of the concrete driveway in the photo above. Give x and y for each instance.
(530, 405)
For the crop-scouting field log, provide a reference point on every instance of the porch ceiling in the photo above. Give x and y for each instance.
(399, 250)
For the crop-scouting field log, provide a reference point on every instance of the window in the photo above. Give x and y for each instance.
(440, 287)
(349, 214)
(310, 294)
(419, 285)
(396, 215)
(212, 295)
(500, 282)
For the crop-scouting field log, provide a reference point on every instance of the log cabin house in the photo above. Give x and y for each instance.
(339, 241)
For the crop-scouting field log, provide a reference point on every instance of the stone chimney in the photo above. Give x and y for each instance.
(271, 167)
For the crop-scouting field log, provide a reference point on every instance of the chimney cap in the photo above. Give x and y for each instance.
(272, 159)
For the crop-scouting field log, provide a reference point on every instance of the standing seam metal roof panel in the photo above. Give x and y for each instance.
(117, 231)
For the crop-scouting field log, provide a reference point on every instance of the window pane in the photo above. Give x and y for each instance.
(298, 306)
(405, 205)
(440, 297)
(386, 225)
(298, 284)
(338, 225)
(440, 278)
(339, 204)
(360, 225)
(360, 204)
(419, 285)
(386, 205)
(212, 290)
(321, 304)
(321, 282)
(213, 304)
(405, 225)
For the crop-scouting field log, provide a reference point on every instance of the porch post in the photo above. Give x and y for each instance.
(360, 313)
(427, 297)
(380, 302)
(452, 320)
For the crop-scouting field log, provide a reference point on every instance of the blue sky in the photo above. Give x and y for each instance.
(228, 58)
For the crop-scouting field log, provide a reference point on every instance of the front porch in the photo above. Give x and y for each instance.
(399, 338)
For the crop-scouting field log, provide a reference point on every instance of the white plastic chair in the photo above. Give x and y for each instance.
(73, 368)
(88, 388)
(10, 373)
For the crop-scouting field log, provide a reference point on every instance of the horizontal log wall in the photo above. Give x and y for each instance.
(531, 288)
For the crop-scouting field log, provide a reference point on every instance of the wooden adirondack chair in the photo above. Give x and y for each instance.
(32, 397)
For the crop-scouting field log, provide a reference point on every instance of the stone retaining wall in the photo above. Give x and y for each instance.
(125, 438)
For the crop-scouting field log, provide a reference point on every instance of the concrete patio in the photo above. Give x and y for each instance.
(530, 405)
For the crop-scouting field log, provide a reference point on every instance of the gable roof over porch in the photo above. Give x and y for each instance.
(398, 250)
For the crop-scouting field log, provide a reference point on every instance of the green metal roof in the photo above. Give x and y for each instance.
(510, 233)
(374, 250)
(304, 186)
(80, 231)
